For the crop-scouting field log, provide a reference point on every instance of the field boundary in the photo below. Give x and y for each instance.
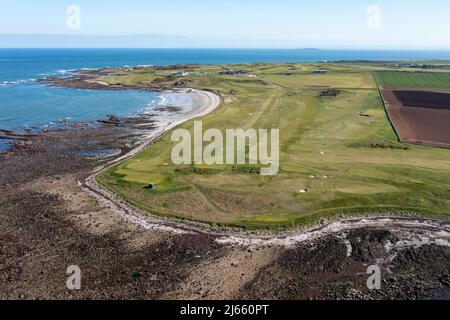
(386, 110)
(393, 106)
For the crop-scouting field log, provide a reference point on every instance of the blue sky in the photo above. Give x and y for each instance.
(413, 24)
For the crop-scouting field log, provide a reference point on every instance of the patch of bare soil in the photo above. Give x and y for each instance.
(224, 276)
(423, 99)
(420, 117)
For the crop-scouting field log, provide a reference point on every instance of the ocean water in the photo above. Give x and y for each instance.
(26, 104)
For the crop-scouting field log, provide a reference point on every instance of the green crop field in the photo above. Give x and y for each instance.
(400, 79)
(341, 149)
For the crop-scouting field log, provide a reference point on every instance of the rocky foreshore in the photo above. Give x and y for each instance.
(92, 80)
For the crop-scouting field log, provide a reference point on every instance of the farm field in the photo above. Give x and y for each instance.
(423, 99)
(395, 79)
(420, 115)
(342, 149)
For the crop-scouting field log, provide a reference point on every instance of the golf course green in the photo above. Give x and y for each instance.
(339, 153)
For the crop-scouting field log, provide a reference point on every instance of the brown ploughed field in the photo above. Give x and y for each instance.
(421, 117)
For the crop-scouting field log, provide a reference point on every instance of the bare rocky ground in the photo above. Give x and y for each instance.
(326, 271)
(48, 223)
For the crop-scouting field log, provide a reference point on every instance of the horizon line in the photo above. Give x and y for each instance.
(237, 48)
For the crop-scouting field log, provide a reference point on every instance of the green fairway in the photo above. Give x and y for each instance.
(341, 149)
(395, 79)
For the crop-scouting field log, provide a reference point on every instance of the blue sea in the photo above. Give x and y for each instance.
(26, 104)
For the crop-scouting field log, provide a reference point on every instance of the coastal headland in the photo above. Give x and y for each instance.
(338, 144)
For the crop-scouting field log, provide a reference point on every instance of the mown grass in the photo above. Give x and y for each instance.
(413, 79)
(348, 163)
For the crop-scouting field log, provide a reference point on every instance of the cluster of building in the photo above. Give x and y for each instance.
(422, 66)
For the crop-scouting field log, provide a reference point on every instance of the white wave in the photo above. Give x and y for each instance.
(8, 83)
(11, 83)
(57, 72)
(162, 100)
(65, 72)
(23, 81)
(146, 110)
(65, 119)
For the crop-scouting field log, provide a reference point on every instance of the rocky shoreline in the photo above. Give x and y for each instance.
(91, 80)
